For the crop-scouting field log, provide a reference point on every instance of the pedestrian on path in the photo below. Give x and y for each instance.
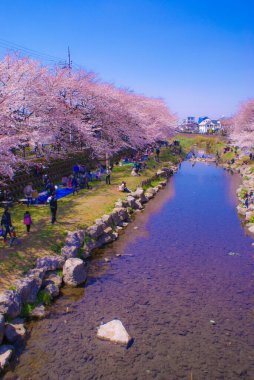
(27, 221)
(6, 223)
(14, 238)
(108, 174)
(53, 208)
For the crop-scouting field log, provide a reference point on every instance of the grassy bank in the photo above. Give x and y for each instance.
(211, 144)
(74, 212)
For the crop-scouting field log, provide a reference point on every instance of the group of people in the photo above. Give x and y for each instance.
(236, 154)
(248, 198)
(79, 179)
(7, 227)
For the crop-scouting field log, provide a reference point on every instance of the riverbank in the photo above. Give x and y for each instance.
(27, 297)
(74, 212)
(171, 281)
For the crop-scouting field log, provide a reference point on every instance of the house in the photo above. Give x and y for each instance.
(189, 125)
(208, 125)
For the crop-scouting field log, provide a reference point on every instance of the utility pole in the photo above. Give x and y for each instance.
(69, 58)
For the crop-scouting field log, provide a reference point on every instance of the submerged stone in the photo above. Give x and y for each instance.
(114, 331)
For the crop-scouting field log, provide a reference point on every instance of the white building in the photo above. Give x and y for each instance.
(207, 125)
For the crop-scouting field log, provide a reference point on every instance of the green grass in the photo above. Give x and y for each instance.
(74, 212)
(242, 193)
(211, 144)
(57, 247)
(43, 297)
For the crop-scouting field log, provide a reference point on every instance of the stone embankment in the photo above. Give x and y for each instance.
(202, 159)
(247, 186)
(28, 296)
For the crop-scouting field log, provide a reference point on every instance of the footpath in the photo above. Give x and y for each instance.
(74, 212)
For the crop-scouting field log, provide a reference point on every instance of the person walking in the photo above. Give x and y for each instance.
(53, 208)
(6, 223)
(74, 184)
(14, 238)
(108, 174)
(27, 221)
(28, 191)
(157, 151)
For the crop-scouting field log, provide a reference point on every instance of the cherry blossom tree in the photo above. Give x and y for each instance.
(71, 110)
(243, 125)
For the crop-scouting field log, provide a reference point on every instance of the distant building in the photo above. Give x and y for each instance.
(200, 119)
(189, 125)
(209, 126)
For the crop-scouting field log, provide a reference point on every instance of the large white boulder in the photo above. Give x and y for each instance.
(10, 303)
(74, 272)
(241, 210)
(75, 238)
(28, 288)
(50, 262)
(15, 330)
(5, 355)
(95, 230)
(69, 251)
(114, 331)
(251, 229)
(139, 194)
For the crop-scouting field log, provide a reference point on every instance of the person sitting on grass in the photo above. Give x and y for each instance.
(65, 181)
(124, 188)
(134, 172)
(98, 174)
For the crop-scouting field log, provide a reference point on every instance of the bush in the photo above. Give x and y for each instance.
(242, 193)
(43, 297)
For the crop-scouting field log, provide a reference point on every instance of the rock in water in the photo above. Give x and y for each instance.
(74, 272)
(10, 304)
(114, 331)
(5, 355)
(15, 330)
(38, 312)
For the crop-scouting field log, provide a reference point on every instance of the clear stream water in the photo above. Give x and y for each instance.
(174, 276)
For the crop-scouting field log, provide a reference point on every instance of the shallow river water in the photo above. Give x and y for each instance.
(173, 278)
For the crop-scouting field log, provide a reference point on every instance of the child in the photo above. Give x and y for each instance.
(13, 236)
(27, 221)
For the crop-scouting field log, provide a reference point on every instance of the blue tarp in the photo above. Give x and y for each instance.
(60, 193)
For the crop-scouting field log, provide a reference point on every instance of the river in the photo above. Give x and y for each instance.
(174, 277)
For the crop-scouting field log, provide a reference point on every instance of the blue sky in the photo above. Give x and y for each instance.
(197, 55)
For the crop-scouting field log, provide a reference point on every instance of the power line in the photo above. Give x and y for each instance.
(14, 46)
(44, 57)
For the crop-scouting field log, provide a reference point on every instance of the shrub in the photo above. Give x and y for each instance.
(43, 297)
